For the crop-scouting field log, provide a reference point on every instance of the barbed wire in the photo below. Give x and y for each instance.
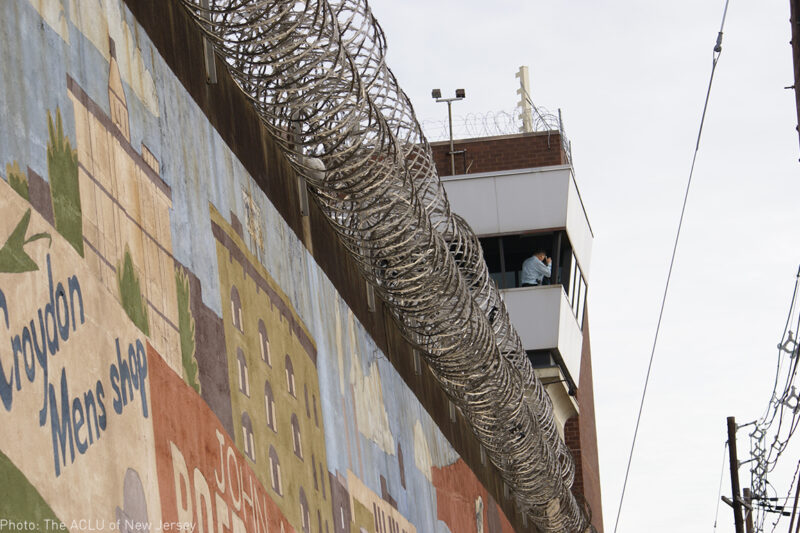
(316, 74)
(495, 123)
(776, 426)
(488, 124)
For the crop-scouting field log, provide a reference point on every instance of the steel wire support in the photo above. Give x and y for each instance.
(315, 72)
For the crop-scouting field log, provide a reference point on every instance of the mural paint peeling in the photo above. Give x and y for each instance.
(171, 355)
(464, 504)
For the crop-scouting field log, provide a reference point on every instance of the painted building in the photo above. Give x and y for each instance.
(125, 206)
(183, 345)
(272, 368)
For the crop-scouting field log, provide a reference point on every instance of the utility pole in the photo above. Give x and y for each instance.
(748, 502)
(794, 506)
(736, 493)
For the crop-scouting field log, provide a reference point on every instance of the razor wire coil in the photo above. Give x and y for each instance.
(316, 74)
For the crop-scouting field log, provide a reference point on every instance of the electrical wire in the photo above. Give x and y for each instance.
(721, 475)
(715, 58)
(774, 429)
(786, 499)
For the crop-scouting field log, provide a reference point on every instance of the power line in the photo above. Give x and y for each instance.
(715, 58)
(773, 431)
(721, 476)
(788, 495)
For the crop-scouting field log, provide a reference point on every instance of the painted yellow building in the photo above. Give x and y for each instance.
(125, 206)
(274, 384)
(373, 513)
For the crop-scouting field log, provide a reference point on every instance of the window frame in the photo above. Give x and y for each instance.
(263, 340)
(275, 471)
(297, 439)
(269, 406)
(236, 309)
(243, 372)
(248, 437)
(290, 382)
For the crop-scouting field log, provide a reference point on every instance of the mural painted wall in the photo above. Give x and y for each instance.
(171, 355)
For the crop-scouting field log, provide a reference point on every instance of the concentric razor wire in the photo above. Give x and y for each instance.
(316, 73)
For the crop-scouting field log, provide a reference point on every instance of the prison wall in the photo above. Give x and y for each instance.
(181, 348)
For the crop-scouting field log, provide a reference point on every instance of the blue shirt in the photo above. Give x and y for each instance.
(534, 270)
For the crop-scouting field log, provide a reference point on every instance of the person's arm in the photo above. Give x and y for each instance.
(543, 269)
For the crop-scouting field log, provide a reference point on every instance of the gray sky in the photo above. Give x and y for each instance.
(630, 78)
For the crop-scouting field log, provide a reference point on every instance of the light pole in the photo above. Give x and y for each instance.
(460, 95)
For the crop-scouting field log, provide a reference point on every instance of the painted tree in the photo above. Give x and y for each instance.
(62, 170)
(131, 294)
(17, 180)
(186, 329)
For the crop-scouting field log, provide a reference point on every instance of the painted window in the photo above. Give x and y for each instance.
(305, 517)
(314, 471)
(401, 465)
(296, 442)
(275, 471)
(322, 479)
(290, 376)
(244, 377)
(305, 393)
(264, 343)
(269, 404)
(247, 437)
(236, 309)
(314, 402)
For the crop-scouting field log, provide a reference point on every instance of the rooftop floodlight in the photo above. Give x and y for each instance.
(460, 95)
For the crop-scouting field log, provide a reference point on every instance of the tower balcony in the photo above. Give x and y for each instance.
(549, 329)
(524, 202)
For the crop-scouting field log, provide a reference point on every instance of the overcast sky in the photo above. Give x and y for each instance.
(630, 78)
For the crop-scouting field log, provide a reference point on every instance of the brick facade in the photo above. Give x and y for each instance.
(580, 435)
(506, 152)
